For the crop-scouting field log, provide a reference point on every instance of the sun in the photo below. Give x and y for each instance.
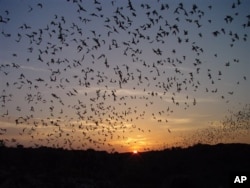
(135, 152)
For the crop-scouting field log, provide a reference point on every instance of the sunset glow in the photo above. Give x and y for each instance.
(135, 152)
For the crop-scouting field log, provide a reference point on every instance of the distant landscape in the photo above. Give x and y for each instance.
(197, 166)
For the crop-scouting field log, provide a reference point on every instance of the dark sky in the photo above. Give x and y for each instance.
(121, 75)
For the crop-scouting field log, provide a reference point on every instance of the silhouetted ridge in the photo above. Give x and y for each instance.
(197, 166)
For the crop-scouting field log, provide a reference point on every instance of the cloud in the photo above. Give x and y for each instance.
(129, 92)
(118, 92)
(179, 120)
(33, 68)
(182, 98)
(181, 68)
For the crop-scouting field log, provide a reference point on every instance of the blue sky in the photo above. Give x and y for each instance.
(121, 79)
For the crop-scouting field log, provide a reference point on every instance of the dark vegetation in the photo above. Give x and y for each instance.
(198, 166)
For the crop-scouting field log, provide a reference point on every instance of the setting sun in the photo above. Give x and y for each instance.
(135, 152)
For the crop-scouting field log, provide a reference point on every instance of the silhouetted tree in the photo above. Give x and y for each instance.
(2, 143)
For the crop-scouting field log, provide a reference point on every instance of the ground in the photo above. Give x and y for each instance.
(198, 166)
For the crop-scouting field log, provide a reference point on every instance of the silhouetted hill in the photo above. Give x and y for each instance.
(198, 166)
